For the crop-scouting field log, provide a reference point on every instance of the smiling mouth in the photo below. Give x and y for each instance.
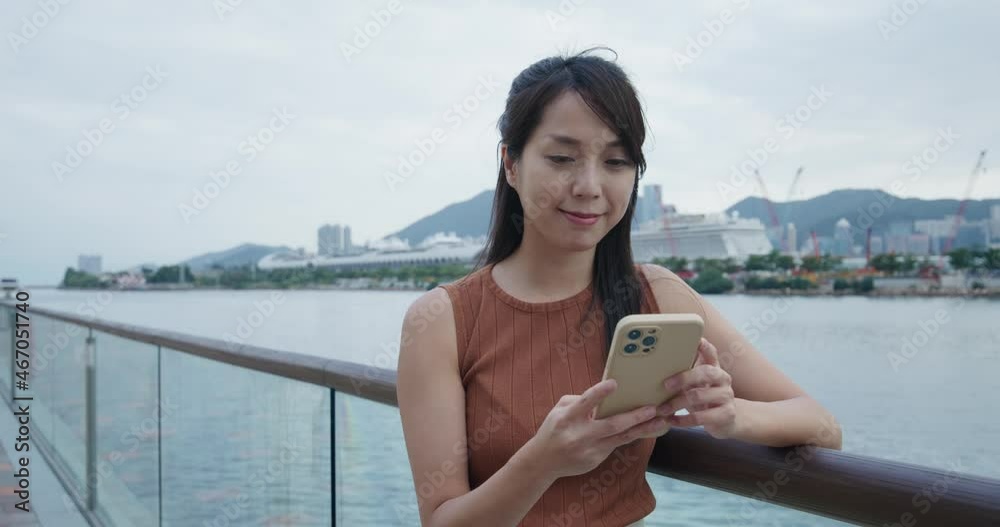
(581, 215)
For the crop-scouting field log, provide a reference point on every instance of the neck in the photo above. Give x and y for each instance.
(542, 270)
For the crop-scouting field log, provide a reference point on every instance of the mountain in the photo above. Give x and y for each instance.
(235, 257)
(860, 207)
(466, 218)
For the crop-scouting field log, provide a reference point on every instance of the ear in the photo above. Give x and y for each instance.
(509, 167)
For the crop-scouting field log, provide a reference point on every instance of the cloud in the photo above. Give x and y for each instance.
(356, 118)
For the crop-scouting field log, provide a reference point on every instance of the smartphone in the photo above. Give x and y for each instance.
(645, 350)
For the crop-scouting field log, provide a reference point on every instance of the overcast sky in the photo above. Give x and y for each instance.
(179, 86)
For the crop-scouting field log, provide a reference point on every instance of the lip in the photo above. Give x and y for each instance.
(578, 219)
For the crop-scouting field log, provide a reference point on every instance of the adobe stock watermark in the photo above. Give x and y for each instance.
(915, 167)
(916, 341)
(387, 358)
(754, 329)
(532, 208)
(32, 25)
(132, 438)
(224, 7)
(122, 107)
(432, 481)
(926, 497)
(714, 28)
(425, 146)
(366, 33)
(592, 490)
(245, 327)
(258, 484)
(901, 13)
(59, 340)
(250, 148)
(786, 126)
(795, 459)
(565, 10)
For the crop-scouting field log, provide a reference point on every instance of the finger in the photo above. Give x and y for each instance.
(650, 428)
(703, 375)
(709, 354)
(696, 398)
(618, 423)
(590, 398)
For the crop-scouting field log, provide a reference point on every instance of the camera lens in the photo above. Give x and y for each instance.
(634, 334)
(630, 348)
(648, 341)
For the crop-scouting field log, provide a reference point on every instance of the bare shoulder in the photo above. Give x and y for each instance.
(658, 272)
(672, 293)
(429, 325)
(432, 400)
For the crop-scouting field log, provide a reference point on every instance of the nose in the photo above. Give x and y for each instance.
(587, 183)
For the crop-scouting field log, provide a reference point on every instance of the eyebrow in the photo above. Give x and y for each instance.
(567, 140)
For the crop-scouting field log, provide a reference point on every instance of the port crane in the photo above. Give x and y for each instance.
(772, 211)
(979, 169)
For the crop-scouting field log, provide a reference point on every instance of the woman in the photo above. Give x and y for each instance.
(499, 372)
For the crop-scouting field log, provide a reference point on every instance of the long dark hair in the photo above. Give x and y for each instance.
(606, 89)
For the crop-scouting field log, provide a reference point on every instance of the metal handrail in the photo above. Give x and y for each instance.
(847, 487)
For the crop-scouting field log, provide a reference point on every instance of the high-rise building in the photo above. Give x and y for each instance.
(842, 238)
(791, 235)
(334, 240)
(994, 225)
(877, 246)
(973, 235)
(919, 244)
(649, 206)
(89, 263)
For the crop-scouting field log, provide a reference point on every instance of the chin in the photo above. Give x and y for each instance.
(577, 243)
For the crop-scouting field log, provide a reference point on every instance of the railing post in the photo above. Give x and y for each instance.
(13, 350)
(333, 456)
(90, 391)
(159, 435)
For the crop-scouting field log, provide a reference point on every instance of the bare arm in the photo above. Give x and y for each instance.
(771, 409)
(432, 408)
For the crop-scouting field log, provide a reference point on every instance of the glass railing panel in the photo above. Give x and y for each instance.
(374, 481)
(243, 447)
(41, 378)
(128, 431)
(6, 351)
(61, 352)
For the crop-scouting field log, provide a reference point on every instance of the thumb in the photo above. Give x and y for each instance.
(593, 396)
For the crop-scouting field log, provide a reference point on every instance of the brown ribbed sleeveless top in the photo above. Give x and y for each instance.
(516, 359)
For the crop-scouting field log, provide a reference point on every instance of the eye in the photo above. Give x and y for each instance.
(560, 160)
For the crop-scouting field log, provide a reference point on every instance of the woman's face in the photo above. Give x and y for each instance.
(571, 163)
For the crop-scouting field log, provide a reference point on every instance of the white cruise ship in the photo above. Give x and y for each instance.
(441, 248)
(700, 236)
(690, 236)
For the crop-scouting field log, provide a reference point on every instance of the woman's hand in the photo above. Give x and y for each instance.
(570, 441)
(706, 392)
